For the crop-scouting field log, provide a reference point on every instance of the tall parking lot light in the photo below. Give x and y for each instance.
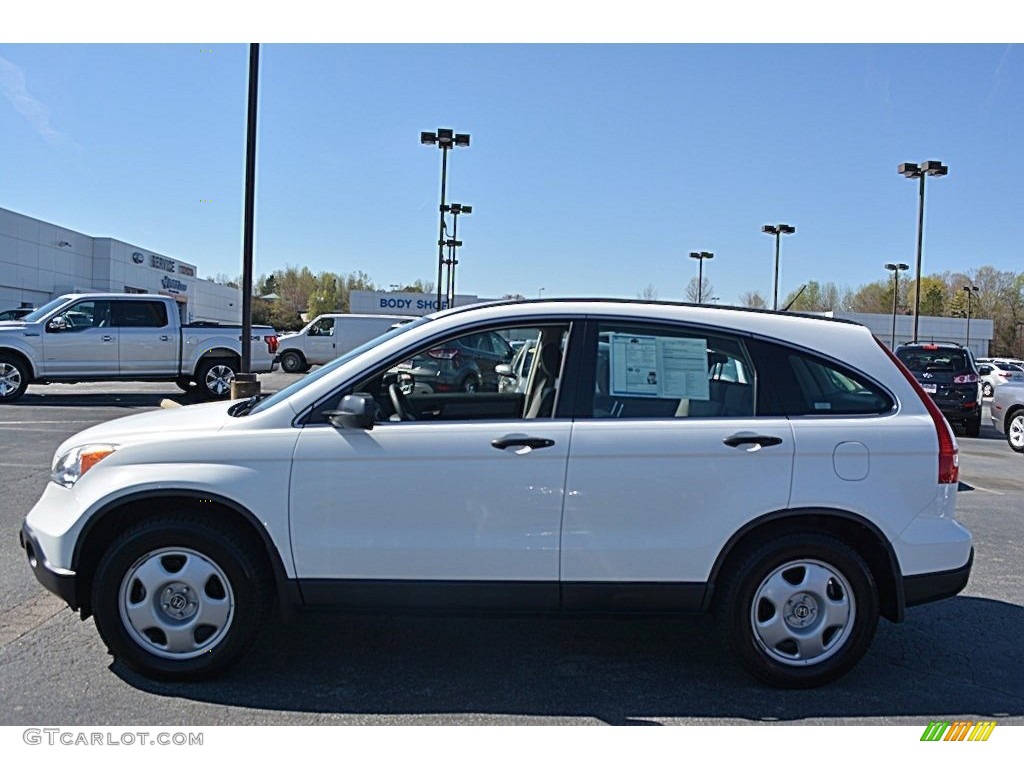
(915, 171)
(445, 138)
(700, 256)
(777, 230)
(970, 289)
(455, 209)
(895, 269)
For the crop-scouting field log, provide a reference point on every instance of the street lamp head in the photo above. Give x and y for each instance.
(467, 209)
(768, 229)
(702, 255)
(934, 168)
(910, 170)
(786, 229)
(428, 137)
(462, 139)
(444, 137)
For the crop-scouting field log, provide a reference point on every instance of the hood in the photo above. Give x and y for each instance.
(206, 417)
(289, 335)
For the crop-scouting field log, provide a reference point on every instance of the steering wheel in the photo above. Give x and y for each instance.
(401, 403)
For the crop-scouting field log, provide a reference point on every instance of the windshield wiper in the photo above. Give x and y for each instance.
(242, 407)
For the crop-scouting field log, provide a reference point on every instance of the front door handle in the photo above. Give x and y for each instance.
(165, 338)
(108, 338)
(521, 441)
(760, 441)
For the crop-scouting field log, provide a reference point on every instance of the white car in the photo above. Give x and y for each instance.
(995, 373)
(798, 502)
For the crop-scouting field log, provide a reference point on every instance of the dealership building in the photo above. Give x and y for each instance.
(40, 261)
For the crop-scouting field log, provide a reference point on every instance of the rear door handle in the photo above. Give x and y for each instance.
(760, 441)
(521, 441)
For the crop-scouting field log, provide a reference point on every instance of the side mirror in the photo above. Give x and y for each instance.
(504, 369)
(358, 411)
(57, 324)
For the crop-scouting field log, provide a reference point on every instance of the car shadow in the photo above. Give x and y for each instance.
(105, 399)
(959, 656)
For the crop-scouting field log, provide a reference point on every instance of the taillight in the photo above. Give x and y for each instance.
(949, 459)
(444, 353)
(1004, 374)
(966, 378)
(271, 343)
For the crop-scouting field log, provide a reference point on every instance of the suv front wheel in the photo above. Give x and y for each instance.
(799, 611)
(179, 598)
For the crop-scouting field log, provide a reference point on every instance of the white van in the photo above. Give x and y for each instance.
(329, 336)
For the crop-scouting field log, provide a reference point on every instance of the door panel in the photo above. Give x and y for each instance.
(148, 341)
(655, 500)
(87, 347)
(428, 501)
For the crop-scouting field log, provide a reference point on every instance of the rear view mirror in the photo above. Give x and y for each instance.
(57, 324)
(504, 369)
(358, 411)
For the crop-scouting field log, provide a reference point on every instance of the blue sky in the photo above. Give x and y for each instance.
(593, 170)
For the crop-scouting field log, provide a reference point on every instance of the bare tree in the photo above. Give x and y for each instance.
(706, 292)
(650, 293)
(754, 300)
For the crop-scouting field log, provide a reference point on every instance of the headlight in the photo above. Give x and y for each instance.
(67, 469)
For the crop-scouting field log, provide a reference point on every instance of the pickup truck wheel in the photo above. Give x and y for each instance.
(13, 378)
(179, 598)
(215, 376)
(294, 362)
(799, 611)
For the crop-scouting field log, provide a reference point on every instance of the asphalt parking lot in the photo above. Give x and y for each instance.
(956, 659)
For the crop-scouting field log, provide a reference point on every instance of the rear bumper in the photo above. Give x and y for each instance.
(58, 580)
(927, 587)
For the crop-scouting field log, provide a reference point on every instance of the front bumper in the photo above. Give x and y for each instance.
(60, 581)
(927, 587)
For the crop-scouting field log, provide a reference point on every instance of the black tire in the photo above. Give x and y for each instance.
(214, 377)
(14, 376)
(830, 598)
(1015, 430)
(137, 588)
(972, 427)
(470, 384)
(293, 362)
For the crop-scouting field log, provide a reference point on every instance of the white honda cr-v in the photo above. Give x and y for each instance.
(781, 471)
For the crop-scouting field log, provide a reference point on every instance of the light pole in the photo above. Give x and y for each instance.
(540, 293)
(970, 289)
(895, 269)
(777, 230)
(453, 243)
(700, 270)
(445, 138)
(915, 171)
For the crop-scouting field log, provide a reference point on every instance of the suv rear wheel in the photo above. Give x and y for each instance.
(178, 598)
(799, 611)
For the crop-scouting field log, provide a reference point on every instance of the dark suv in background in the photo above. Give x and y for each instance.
(948, 373)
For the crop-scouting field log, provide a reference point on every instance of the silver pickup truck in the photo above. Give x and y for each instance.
(124, 337)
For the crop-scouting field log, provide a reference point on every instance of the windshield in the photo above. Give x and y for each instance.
(38, 314)
(326, 370)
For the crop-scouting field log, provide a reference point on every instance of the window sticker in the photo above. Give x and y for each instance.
(658, 366)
